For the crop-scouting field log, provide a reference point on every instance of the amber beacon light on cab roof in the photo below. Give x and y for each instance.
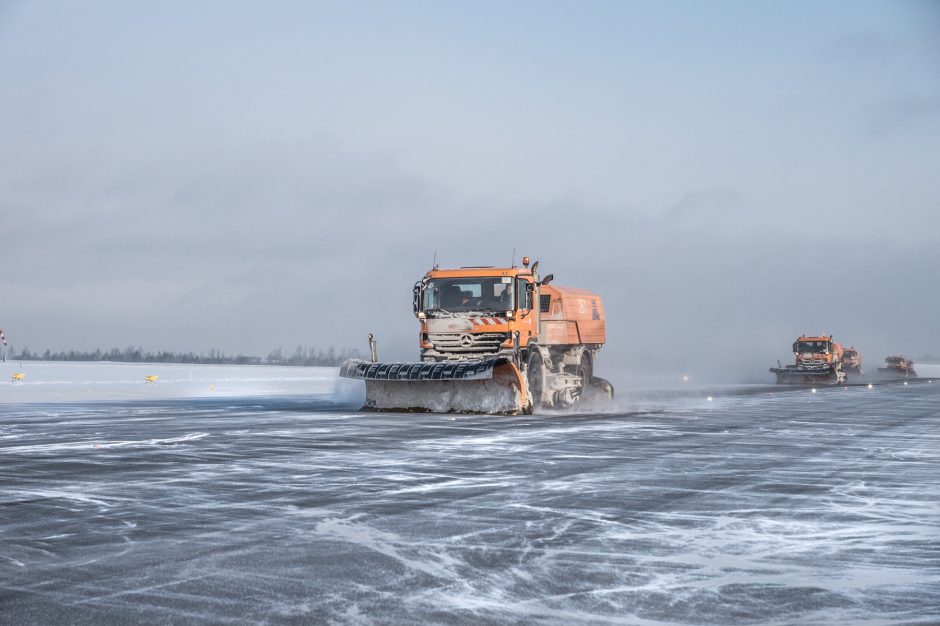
(493, 340)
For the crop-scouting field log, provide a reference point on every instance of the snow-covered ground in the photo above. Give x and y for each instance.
(48, 381)
(271, 498)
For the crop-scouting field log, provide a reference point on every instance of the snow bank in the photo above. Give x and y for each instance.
(47, 381)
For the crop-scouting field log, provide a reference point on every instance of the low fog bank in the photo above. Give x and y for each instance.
(57, 382)
(684, 297)
(720, 307)
(926, 370)
(324, 247)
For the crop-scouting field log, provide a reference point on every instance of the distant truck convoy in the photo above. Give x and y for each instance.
(493, 340)
(816, 359)
(897, 366)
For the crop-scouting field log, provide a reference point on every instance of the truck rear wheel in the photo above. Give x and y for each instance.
(585, 373)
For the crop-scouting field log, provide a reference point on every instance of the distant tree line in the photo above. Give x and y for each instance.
(303, 355)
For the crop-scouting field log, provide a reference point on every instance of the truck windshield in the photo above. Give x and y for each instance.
(461, 295)
(811, 346)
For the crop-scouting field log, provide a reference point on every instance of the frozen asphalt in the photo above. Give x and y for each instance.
(758, 508)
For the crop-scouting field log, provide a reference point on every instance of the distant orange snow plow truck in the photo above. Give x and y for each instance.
(852, 362)
(817, 359)
(493, 340)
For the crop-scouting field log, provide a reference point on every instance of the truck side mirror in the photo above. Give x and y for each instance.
(529, 291)
(416, 297)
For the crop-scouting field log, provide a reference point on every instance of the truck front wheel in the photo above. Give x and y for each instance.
(535, 376)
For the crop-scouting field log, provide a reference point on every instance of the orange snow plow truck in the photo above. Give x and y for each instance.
(816, 359)
(493, 340)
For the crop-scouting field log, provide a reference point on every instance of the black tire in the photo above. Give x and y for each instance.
(585, 373)
(535, 376)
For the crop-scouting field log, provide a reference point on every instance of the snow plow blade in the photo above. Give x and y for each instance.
(492, 386)
(805, 376)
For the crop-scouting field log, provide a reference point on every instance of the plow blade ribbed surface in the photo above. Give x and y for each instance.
(806, 376)
(492, 386)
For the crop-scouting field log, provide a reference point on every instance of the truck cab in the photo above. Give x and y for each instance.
(852, 361)
(476, 312)
(816, 359)
(816, 352)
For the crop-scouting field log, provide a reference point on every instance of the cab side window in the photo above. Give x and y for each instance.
(525, 297)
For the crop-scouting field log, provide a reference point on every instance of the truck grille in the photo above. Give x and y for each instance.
(468, 343)
(812, 362)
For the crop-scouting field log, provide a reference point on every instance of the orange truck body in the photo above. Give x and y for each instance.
(573, 316)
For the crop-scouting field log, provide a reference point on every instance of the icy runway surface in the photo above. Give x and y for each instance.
(784, 508)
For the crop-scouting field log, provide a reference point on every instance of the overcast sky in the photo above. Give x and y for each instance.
(243, 176)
